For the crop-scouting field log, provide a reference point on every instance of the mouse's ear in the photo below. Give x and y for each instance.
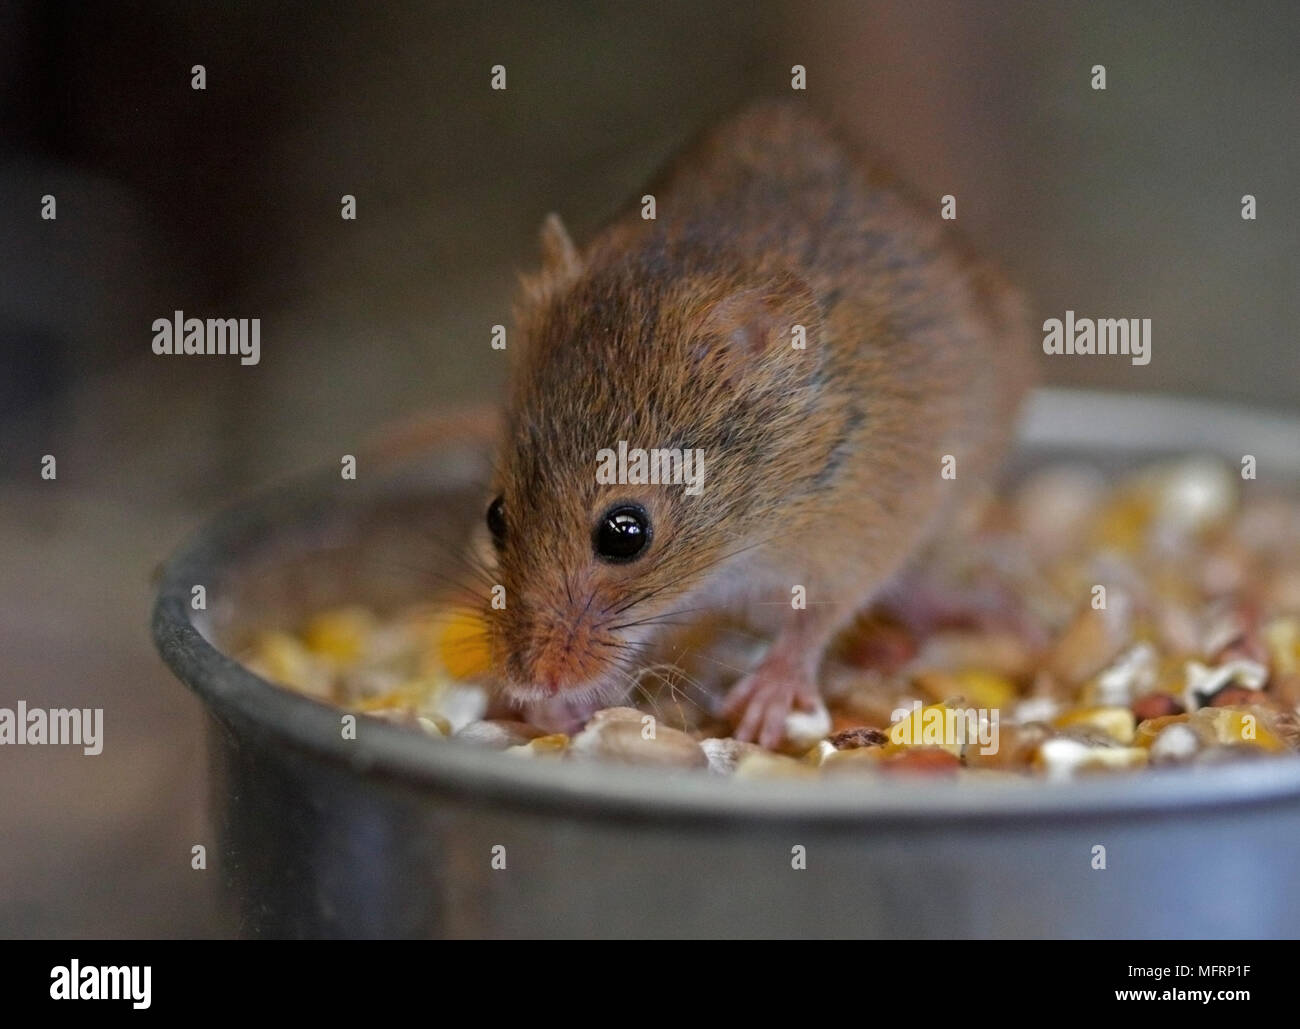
(745, 325)
(559, 255)
(561, 263)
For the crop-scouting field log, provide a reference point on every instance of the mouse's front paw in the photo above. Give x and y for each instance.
(760, 703)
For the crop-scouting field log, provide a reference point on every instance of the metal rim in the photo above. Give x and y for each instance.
(1057, 418)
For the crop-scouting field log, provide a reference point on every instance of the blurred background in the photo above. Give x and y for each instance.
(225, 202)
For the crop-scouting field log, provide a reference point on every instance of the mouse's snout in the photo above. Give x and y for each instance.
(558, 638)
(562, 659)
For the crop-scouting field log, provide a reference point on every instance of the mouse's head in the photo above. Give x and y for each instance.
(660, 415)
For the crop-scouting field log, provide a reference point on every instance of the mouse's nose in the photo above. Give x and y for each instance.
(558, 649)
(551, 668)
(563, 660)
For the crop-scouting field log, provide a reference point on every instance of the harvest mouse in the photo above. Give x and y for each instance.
(822, 345)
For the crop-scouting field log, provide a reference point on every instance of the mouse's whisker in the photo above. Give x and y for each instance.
(460, 553)
(463, 587)
(670, 618)
(674, 679)
(648, 594)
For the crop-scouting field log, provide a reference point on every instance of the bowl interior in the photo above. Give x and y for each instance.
(388, 538)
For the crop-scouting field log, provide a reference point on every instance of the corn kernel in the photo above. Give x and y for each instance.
(1282, 637)
(1123, 522)
(986, 690)
(340, 635)
(1116, 722)
(402, 697)
(282, 658)
(1150, 728)
(934, 726)
(1231, 725)
(819, 753)
(1064, 758)
(553, 745)
(859, 759)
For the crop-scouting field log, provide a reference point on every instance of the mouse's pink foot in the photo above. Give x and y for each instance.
(759, 703)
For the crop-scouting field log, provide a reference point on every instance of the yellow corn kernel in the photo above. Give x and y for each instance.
(1233, 725)
(282, 658)
(1171, 674)
(341, 634)
(401, 698)
(1116, 722)
(986, 690)
(1123, 522)
(553, 745)
(463, 646)
(1282, 637)
(934, 726)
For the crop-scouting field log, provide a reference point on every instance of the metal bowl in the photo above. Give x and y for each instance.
(393, 834)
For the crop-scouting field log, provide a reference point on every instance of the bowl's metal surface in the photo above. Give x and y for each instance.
(392, 834)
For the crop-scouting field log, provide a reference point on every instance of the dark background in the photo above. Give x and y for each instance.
(225, 202)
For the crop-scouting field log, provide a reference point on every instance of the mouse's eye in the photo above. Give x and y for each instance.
(622, 534)
(496, 519)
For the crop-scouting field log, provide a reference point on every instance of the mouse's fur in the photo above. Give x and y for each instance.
(822, 465)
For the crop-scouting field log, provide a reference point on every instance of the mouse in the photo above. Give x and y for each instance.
(834, 363)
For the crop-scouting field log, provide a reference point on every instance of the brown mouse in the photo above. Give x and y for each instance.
(822, 464)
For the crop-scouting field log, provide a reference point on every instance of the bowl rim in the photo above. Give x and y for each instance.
(1087, 422)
